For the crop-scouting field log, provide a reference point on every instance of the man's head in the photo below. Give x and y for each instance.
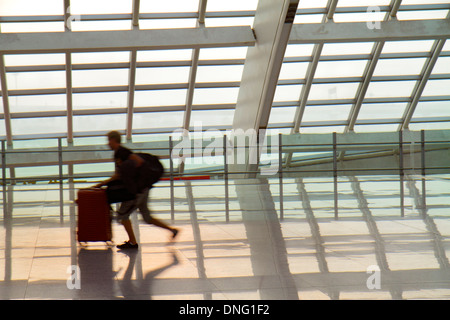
(114, 139)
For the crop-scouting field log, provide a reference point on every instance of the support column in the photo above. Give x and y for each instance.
(272, 26)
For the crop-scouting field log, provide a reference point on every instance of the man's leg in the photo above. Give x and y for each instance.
(129, 230)
(143, 209)
(125, 210)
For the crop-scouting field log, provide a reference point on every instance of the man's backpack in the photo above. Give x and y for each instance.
(150, 172)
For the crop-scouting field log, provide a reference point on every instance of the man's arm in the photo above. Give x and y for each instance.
(104, 183)
(138, 160)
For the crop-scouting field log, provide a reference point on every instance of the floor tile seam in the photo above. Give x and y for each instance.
(34, 251)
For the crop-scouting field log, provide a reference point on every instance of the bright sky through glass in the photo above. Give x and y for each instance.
(37, 82)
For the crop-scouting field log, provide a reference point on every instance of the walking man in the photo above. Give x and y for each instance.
(124, 155)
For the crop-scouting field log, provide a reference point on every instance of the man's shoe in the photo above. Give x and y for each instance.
(128, 245)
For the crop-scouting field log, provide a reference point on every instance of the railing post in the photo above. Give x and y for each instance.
(423, 173)
(402, 172)
(172, 200)
(225, 169)
(280, 173)
(5, 203)
(61, 185)
(335, 175)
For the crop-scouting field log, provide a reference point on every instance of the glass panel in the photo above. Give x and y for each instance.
(164, 55)
(437, 88)
(101, 25)
(430, 126)
(100, 6)
(333, 91)
(100, 57)
(37, 171)
(223, 53)
(287, 93)
(99, 122)
(442, 65)
(155, 6)
(231, 5)
(293, 70)
(333, 69)
(446, 46)
(153, 120)
(370, 15)
(159, 98)
(228, 22)
(405, 2)
(39, 125)
(99, 78)
(432, 109)
(308, 18)
(282, 115)
(14, 27)
(305, 4)
(408, 46)
(2, 128)
(219, 73)
(99, 100)
(422, 15)
(376, 128)
(299, 50)
(347, 48)
(166, 23)
(382, 111)
(215, 95)
(390, 89)
(36, 80)
(393, 67)
(334, 112)
(362, 3)
(162, 75)
(325, 129)
(38, 143)
(93, 167)
(208, 118)
(2, 121)
(54, 102)
(31, 7)
(34, 59)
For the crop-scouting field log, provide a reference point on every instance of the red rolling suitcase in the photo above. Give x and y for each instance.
(94, 218)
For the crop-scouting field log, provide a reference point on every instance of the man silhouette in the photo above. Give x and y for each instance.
(124, 155)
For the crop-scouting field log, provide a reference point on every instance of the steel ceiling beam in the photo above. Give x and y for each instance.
(370, 69)
(98, 41)
(132, 74)
(131, 94)
(69, 97)
(392, 30)
(135, 14)
(213, 14)
(194, 68)
(68, 69)
(420, 86)
(418, 90)
(193, 75)
(362, 90)
(272, 26)
(5, 98)
(217, 62)
(310, 74)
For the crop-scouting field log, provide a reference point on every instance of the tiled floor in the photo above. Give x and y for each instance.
(259, 253)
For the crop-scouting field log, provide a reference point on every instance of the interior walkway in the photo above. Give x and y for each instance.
(257, 252)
